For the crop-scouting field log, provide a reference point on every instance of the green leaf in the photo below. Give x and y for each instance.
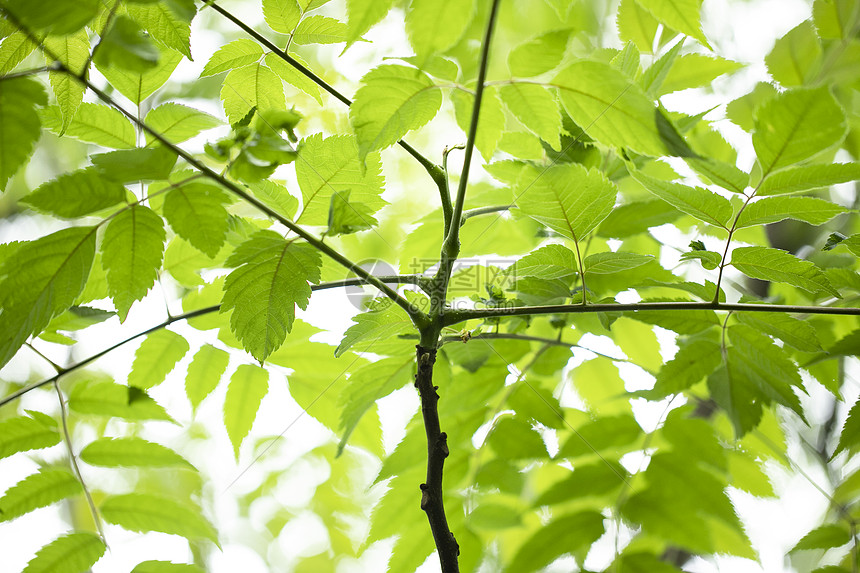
(165, 567)
(564, 534)
(637, 217)
(681, 15)
(434, 26)
(539, 55)
(276, 196)
(614, 262)
(40, 489)
(130, 452)
(567, 198)
(363, 15)
(248, 385)
(293, 76)
(823, 537)
(332, 164)
(73, 51)
(688, 322)
(93, 123)
(70, 553)
(13, 50)
(320, 30)
(236, 54)
(19, 124)
(374, 325)
(196, 213)
(548, 262)
(367, 385)
(110, 399)
(126, 47)
(168, 26)
(585, 481)
(204, 373)
(709, 259)
(637, 25)
(794, 59)
(137, 86)
(808, 177)
(264, 291)
(695, 71)
(23, 433)
(345, 217)
(611, 109)
(248, 87)
(145, 512)
(536, 108)
(178, 123)
(772, 209)
(653, 77)
(57, 18)
(834, 19)
(696, 201)
(282, 15)
(40, 280)
(133, 165)
(155, 358)
(132, 250)
(723, 174)
(514, 439)
(797, 333)
(779, 266)
(76, 194)
(392, 101)
(849, 439)
(491, 122)
(795, 125)
(692, 363)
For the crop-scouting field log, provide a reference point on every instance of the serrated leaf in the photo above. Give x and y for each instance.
(434, 26)
(40, 280)
(694, 71)
(567, 198)
(564, 534)
(145, 512)
(178, 123)
(688, 322)
(132, 251)
(795, 57)
(332, 164)
(248, 385)
(373, 325)
(681, 15)
(293, 76)
(130, 452)
(779, 266)
(548, 262)
(264, 291)
(40, 489)
(834, 19)
(823, 537)
(808, 177)
(539, 55)
(204, 373)
(165, 567)
(138, 86)
(24, 433)
(772, 209)
(696, 201)
(72, 50)
(110, 399)
(93, 123)
(637, 25)
(134, 165)
(155, 358)
(196, 213)
(709, 259)
(692, 363)
(19, 124)
(849, 438)
(320, 30)
(392, 101)
(536, 108)
(491, 122)
(585, 481)
(612, 109)
(795, 125)
(70, 553)
(614, 262)
(251, 86)
(346, 217)
(169, 27)
(723, 174)
(797, 333)
(76, 194)
(363, 15)
(126, 47)
(235, 54)
(282, 15)
(653, 76)
(637, 217)
(367, 385)
(13, 50)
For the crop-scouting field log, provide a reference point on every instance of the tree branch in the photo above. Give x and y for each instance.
(482, 211)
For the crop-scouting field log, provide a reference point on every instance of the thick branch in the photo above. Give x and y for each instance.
(456, 316)
(437, 450)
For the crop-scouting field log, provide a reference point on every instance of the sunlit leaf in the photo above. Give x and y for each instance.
(38, 490)
(146, 512)
(775, 265)
(71, 553)
(248, 385)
